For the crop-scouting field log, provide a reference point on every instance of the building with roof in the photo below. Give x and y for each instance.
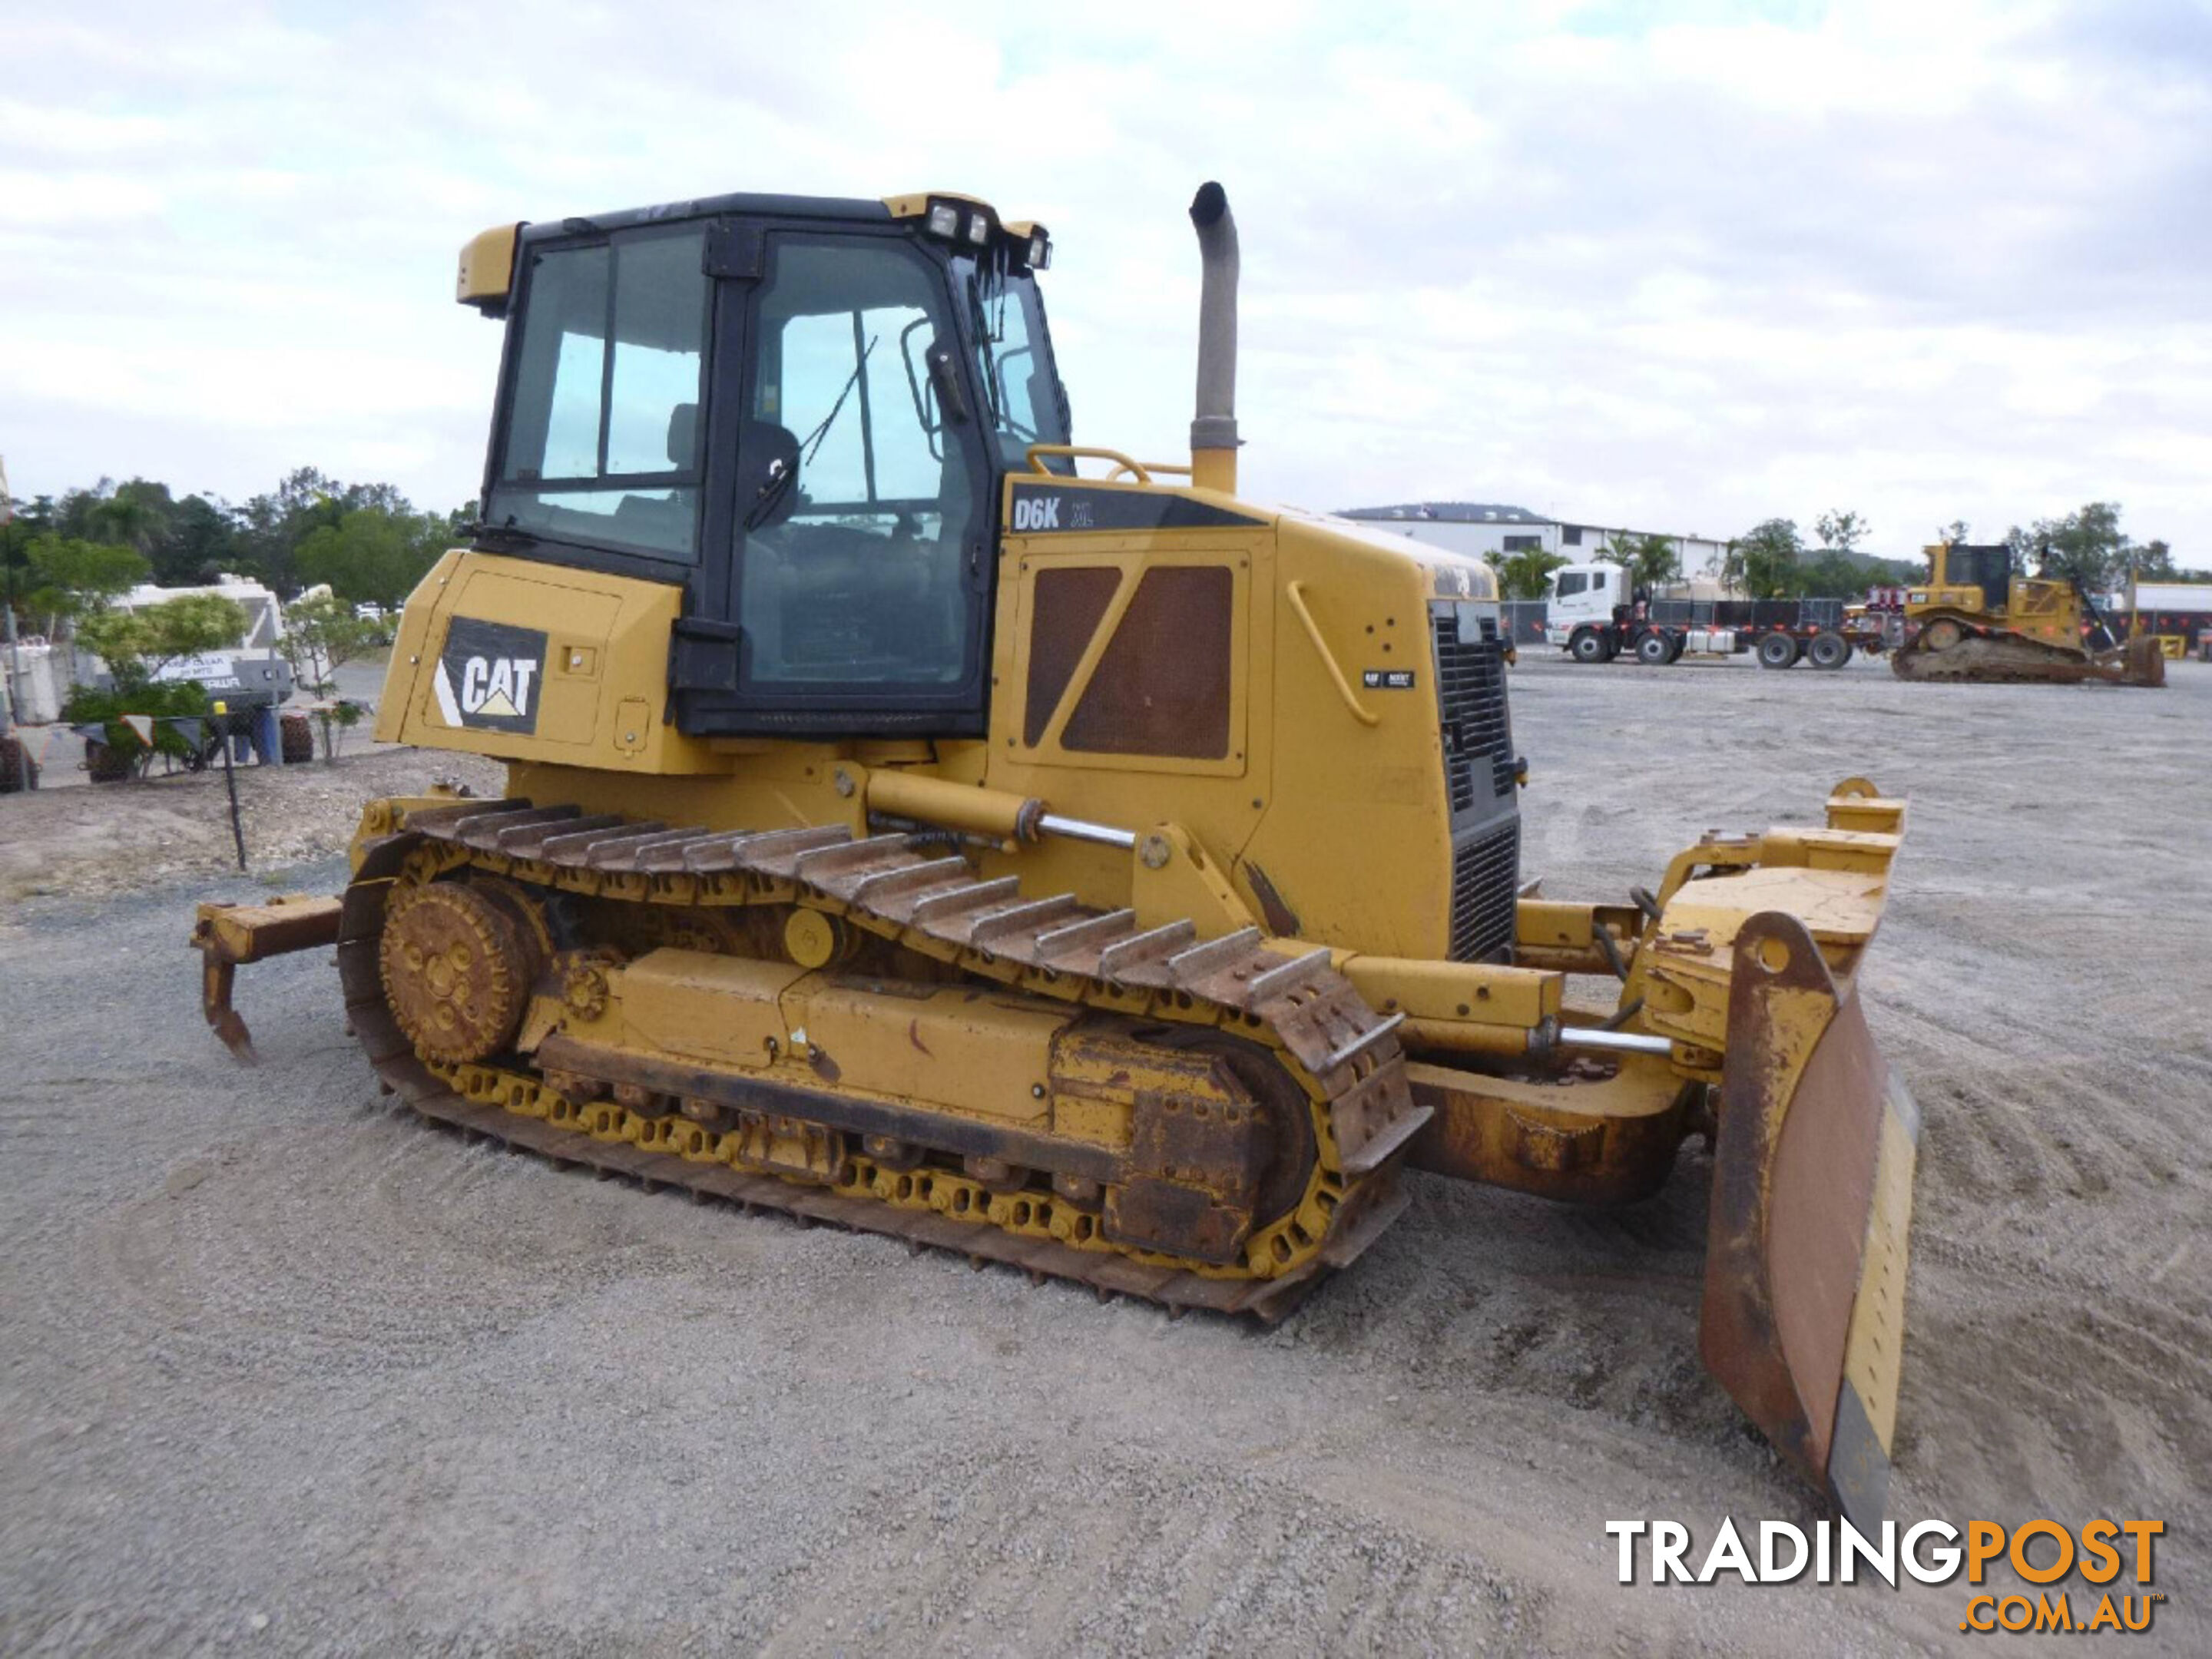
(2178, 613)
(1485, 528)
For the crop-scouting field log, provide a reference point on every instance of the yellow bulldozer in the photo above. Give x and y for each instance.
(918, 821)
(1977, 618)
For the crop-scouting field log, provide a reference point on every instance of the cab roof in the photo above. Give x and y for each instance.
(487, 263)
(751, 205)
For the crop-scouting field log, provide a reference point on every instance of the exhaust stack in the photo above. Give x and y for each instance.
(1213, 429)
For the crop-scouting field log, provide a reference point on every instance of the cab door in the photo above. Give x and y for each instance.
(843, 590)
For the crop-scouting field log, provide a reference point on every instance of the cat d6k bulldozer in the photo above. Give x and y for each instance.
(917, 821)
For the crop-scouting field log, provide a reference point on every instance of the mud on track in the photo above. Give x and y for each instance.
(270, 1351)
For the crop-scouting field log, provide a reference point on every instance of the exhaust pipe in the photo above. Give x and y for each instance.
(1213, 429)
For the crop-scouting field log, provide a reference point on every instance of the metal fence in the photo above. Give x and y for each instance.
(1524, 621)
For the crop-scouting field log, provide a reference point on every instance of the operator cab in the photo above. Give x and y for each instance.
(1956, 564)
(1584, 592)
(800, 409)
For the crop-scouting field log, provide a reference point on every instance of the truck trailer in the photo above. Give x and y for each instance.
(1593, 613)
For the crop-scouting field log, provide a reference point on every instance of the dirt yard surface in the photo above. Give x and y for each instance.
(119, 837)
(283, 1371)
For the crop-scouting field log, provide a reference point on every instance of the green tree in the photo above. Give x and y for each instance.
(2087, 545)
(134, 515)
(1832, 574)
(1954, 531)
(1652, 561)
(75, 515)
(68, 579)
(273, 528)
(1522, 574)
(2153, 562)
(137, 645)
(32, 522)
(1841, 529)
(1762, 562)
(373, 555)
(190, 540)
(322, 634)
(198, 542)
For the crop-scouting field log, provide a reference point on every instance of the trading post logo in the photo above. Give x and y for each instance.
(2046, 1555)
(489, 674)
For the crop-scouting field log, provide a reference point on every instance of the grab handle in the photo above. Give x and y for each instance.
(1295, 591)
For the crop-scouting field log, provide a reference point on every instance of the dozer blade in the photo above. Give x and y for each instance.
(2142, 662)
(227, 935)
(2004, 657)
(1803, 1320)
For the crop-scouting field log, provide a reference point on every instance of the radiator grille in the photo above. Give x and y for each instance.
(1485, 879)
(1479, 777)
(1471, 703)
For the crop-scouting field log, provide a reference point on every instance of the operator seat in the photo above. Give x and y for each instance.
(768, 473)
(683, 436)
(666, 522)
(845, 594)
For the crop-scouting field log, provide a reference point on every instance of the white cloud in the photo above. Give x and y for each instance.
(1687, 271)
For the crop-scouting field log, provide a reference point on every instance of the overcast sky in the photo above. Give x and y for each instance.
(1672, 266)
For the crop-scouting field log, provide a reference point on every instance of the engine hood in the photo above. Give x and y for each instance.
(1450, 575)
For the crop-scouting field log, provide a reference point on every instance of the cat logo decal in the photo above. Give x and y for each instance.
(489, 676)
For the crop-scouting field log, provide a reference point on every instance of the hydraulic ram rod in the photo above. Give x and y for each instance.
(1626, 1042)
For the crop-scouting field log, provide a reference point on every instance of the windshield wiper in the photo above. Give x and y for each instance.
(814, 439)
(484, 531)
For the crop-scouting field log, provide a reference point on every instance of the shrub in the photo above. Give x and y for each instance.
(88, 707)
(137, 644)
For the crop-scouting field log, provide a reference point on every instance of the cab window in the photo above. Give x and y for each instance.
(1572, 582)
(857, 499)
(602, 444)
(1021, 385)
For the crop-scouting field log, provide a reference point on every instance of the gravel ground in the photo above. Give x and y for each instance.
(121, 837)
(281, 1369)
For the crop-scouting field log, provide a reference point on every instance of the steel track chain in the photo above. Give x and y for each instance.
(1346, 1057)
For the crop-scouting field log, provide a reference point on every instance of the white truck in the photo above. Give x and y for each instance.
(1592, 612)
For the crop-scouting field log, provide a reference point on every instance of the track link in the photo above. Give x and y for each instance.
(1343, 1054)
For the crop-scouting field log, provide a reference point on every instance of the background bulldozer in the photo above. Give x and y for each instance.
(1105, 876)
(1977, 619)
